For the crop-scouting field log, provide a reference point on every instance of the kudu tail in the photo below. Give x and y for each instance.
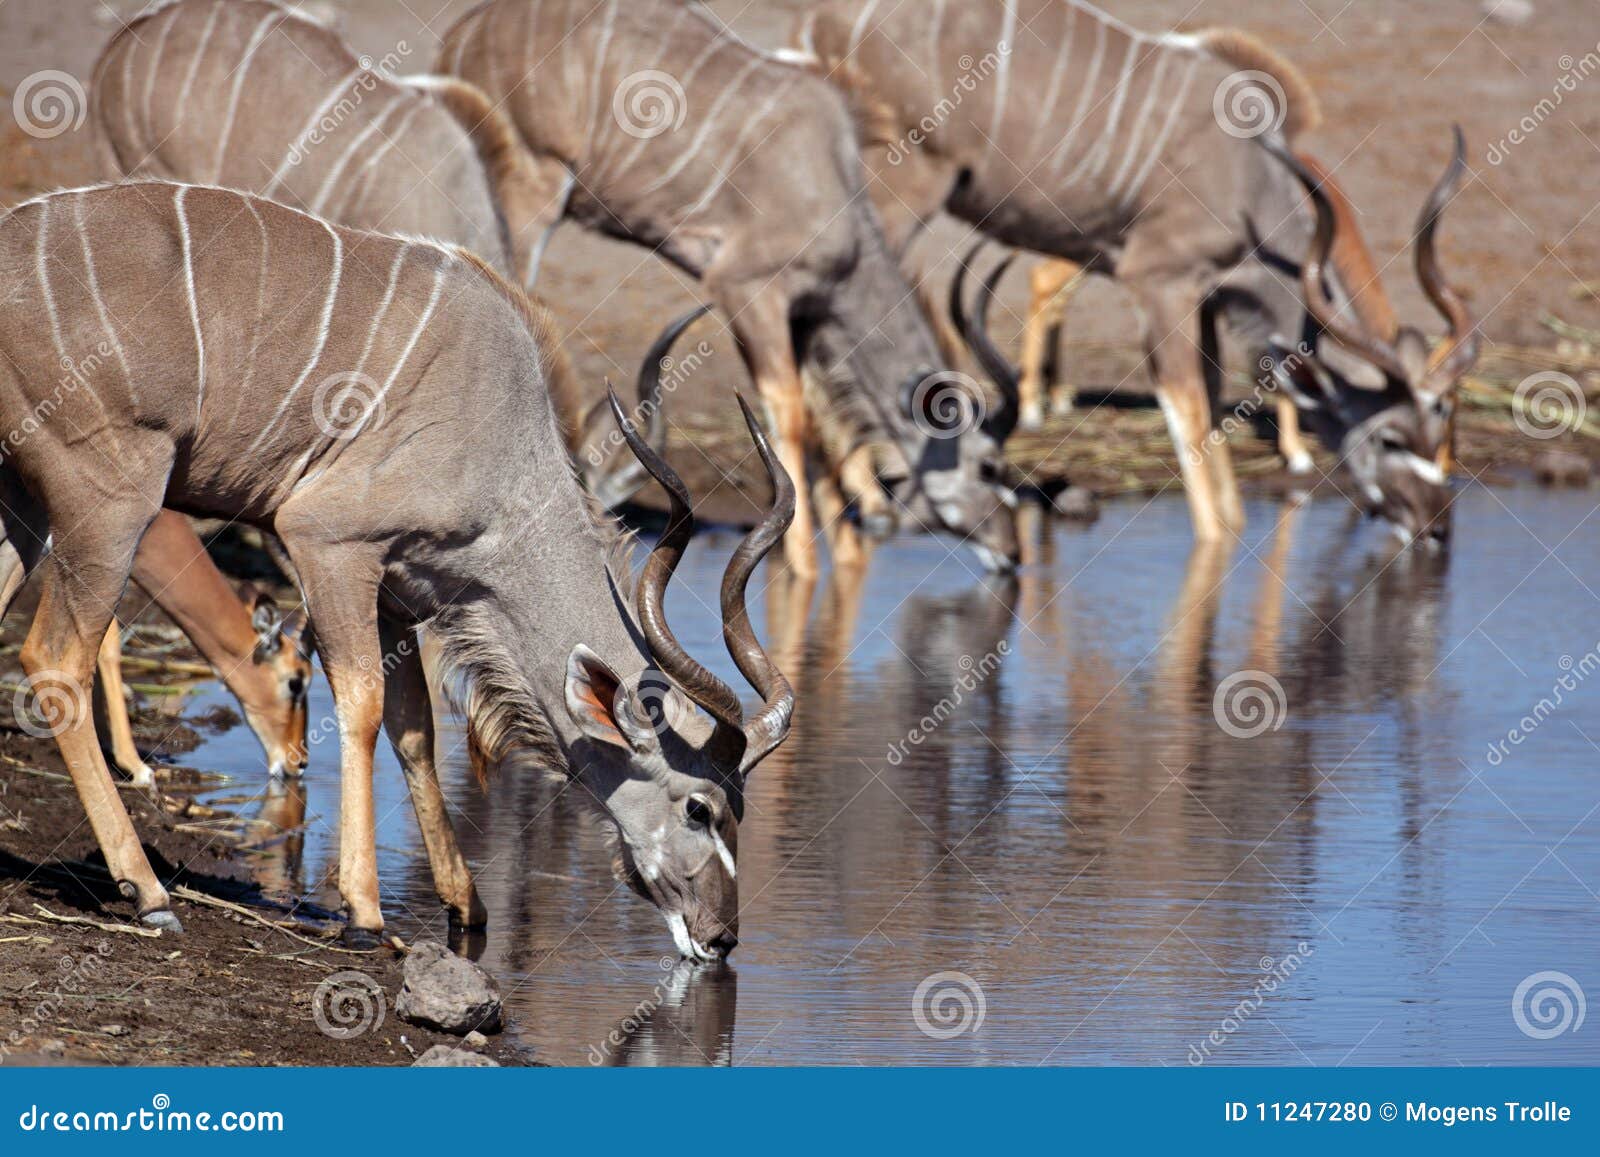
(1241, 50)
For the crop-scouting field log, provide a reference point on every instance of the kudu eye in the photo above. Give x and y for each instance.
(699, 811)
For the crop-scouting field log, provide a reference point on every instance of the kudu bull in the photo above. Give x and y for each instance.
(260, 654)
(247, 94)
(446, 498)
(743, 171)
(1071, 134)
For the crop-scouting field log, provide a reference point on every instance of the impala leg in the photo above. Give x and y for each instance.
(111, 710)
(1290, 444)
(1052, 284)
(408, 718)
(83, 579)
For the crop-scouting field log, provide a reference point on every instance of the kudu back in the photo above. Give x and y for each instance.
(446, 498)
(744, 172)
(1052, 126)
(250, 95)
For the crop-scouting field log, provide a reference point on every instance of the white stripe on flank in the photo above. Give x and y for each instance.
(383, 306)
(194, 304)
(1002, 80)
(337, 171)
(935, 26)
(1095, 160)
(322, 340)
(99, 303)
(297, 148)
(1085, 96)
(358, 187)
(779, 91)
(599, 69)
(1178, 100)
(685, 82)
(243, 70)
(259, 329)
(181, 109)
(41, 263)
(405, 355)
(149, 84)
(1052, 94)
(708, 125)
(1152, 92)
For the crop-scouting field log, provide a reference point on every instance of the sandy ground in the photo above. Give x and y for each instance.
(1525, 238)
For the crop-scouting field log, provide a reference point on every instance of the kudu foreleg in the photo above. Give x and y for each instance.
(341, 589)
(408, 718)
(1173, 342)
(1296, 454)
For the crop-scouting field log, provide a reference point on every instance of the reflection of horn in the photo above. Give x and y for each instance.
(690, 1022)
(1460, 350)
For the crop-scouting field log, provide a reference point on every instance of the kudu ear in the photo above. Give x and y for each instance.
(601, 704)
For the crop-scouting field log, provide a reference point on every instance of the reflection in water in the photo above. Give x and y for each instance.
(1121, 792)
(275, 839)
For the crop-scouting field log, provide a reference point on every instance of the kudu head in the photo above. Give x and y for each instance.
(1383, 401)
(673, 783)
(949, 474)
(280, 664)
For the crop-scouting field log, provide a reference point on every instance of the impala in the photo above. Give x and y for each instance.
(446, 498)
(1140, 156)
(261, 655)
(742, 170)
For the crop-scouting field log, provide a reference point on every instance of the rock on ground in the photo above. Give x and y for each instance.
(445, 992)
(1511, 13)
(450, 1057)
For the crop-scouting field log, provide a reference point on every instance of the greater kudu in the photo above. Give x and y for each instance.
(1054, 127)
(250, 95)
(445, 498)
(743, 171)
(260, 654)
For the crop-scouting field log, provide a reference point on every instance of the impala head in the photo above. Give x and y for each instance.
(281, 666)
(672, 781)
(1384, 401)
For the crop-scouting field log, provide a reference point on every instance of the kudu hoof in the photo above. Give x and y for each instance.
(162, 920)
(361, 939)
